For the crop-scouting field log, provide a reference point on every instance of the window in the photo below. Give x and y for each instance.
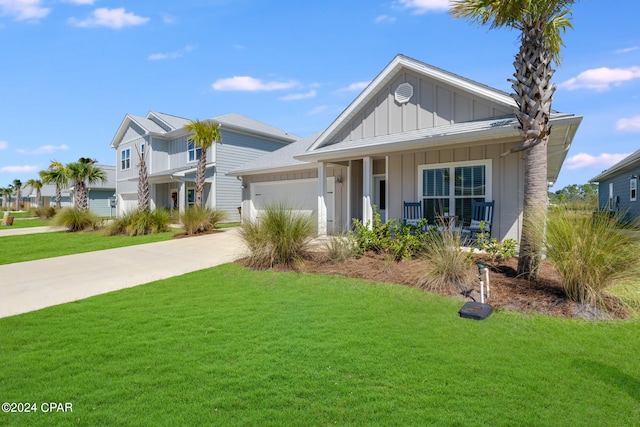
(449, 189)
(142, 149)
(125, 159)
(191, 197)
(194, 152)
(633, 189)
(611, 196)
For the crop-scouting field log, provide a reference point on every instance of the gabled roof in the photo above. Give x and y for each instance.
(282, 159)
(246, 124)
(390, 72)
(173, 122)
(628, 163)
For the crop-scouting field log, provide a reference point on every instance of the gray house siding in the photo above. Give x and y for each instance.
(99, 202)
(236, 149)
(158, 156)
(433, 104)
(621, 195)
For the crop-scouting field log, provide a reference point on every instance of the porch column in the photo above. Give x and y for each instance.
(322, 205)
(182, 197)
(367, 184)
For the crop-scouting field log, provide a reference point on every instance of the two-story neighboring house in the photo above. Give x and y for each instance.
(171, 160)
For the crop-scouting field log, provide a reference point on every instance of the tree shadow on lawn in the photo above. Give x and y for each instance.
(609, 375)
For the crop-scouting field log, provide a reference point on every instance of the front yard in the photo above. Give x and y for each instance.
(232, 346)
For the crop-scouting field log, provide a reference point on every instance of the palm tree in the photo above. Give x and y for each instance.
(17, 188)
(57, 174)
(84, 172)
(6, 193)
(541, 24)
(203, 135)
(144, 202)
(37, 184)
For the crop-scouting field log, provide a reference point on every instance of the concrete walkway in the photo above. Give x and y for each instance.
(32, 285)
(29, 230)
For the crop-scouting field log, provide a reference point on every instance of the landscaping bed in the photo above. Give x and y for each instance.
(544, 295)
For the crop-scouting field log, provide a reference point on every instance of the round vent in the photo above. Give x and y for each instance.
(404, 93)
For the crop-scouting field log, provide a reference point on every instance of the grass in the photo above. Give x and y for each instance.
(26, 223)
(21, 214)
(30, 247)
(230, 346)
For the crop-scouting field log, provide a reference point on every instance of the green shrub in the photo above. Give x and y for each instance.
(448, 265)
(281, 236)
(76, 219)
(590, 253)
(138, 223)
(495, 249)
(199, 220)
(45, 212)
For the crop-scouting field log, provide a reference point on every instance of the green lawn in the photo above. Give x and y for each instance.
(230, 346)
(26, 223)
(30, 247)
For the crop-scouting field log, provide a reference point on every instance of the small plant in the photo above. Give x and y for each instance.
(45, 212)
(495, 249)
(590, 253)
(200, 220)
(138, 223)
(373, 236)
(281, 236)
(340, 247)
(448, 265)
(76, 219)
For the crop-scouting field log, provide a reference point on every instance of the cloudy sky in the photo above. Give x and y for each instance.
(71, 69)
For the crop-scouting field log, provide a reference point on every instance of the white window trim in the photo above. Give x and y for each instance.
(633, 187)
(127, 159)
(487, 163)
(195, 152)
(611, 196)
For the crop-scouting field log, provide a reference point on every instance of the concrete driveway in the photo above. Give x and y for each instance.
(32, 285)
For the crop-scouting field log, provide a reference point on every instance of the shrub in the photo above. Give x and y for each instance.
(45, 212)
(138, 223)
(340, 248)
(76, 219)
(495, 249)
(590, 253)
(199, 220)
(447, 264)
(281, 236)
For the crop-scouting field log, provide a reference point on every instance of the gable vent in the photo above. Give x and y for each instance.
(404, 93)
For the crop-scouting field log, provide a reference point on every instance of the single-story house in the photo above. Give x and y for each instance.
(98, 194)
(618, 187)
(416, 133)
(171, 160)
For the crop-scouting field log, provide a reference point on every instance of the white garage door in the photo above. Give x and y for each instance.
(300, 195)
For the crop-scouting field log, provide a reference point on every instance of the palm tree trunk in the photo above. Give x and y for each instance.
(200, 176)
(81, 195)
(144, 202)
(58, 197)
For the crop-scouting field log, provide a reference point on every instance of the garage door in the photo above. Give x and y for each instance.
(301, 195)
(126, 203)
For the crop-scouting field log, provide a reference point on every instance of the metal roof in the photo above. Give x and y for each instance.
(632, 161)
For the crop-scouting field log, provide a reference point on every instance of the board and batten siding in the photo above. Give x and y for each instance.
(433, 104)
(621, 190)
(236, 150)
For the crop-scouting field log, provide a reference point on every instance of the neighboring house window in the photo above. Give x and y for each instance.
(449, 189)
(633, 189)
(141, 149)
(194, 152)
(611, 196)
(125, 159)
(191, 197)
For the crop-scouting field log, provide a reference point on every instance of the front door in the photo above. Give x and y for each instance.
(380, 195)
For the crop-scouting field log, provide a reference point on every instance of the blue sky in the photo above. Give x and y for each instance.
(72, 69)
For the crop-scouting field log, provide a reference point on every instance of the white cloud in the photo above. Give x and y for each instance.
(602, 161)
(628, 49)
(385, 19)
(630, 124)
(298, 96)
(19, 169)
(23, 10)
(318, 110)
(111, 18)
(601, 79)
(250, 84)
(89, 2)
(44, 149)
(171, 55)
(355, 87)
(3, 145)
(168, 19)
(424, 6)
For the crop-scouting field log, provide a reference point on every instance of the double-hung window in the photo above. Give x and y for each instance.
(633, 189)
(125, 159)
(450, 189)
(194, 152)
